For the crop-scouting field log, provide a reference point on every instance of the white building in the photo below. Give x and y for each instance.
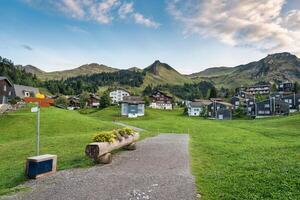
(117, 95)
(197, 108)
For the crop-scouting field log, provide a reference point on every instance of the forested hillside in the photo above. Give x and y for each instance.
(16, 74)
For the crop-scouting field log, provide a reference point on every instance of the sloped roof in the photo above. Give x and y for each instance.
(225, 103)
(6, 79)
(133, 100)
(201, 102)
(19, 90)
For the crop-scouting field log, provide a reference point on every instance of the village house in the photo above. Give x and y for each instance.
(271, 106)
(256, 89)
(198, 107)
(132, 106)
(23, 91)
(220, 110)
(93, 101)
(118, 95)
(74, 103)
(293, 100)
(286, 86)
(6, 90)
(247, 104)
(160, 100)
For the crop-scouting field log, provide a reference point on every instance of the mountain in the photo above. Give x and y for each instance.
(213, 71)
(274, 67)
(87, 69)
(162, 73)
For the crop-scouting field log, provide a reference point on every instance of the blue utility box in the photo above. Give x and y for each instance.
(39, 166)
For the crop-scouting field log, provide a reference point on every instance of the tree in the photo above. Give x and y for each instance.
(83, 99)
(105, 100)
(296, 87)
(147, 101)
(274, 87)
(61, 101)
(213, 93)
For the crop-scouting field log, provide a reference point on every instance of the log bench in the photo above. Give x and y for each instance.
(101, 151)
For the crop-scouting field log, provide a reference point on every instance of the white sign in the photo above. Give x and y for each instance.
(34, 109)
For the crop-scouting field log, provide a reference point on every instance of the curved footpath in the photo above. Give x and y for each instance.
(159, 170)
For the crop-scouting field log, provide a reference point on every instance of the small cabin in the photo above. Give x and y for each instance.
(132, 106)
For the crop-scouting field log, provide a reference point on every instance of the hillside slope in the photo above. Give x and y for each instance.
(162, 73)
(87, 69)
(274, 67)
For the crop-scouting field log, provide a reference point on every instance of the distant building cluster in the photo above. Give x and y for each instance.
(254, 101)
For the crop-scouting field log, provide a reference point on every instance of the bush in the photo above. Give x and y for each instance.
(111, 136)
(105, 136)
(125, 131)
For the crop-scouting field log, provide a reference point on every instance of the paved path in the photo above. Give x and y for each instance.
(158, 170)
(126, 125)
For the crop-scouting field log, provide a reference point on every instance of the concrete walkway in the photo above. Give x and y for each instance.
(126, 125)
(159, 170)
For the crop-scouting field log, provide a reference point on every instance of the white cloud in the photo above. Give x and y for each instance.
(76, 29)
(125, 9)
(100, 11)
(241, 22)
(140, 19)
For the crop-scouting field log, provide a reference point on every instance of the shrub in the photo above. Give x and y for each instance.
(125, 131)
(105, 136)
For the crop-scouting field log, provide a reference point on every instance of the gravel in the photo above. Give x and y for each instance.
(159, 170)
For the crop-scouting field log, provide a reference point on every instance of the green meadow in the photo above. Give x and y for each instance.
(239, 159)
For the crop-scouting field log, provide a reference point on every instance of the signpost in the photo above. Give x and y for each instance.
(37, 110)
(40, 165)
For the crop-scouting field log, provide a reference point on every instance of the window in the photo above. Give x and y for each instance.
(237, 103)
(9, 93)
(251, 103)
(4, 88)
(267, 105)
(267, 112)
(27, 94)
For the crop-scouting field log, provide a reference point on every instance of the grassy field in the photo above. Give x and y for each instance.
(64, 133)
(240, 159)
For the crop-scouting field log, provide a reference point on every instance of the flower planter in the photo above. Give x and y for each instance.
(101, 151)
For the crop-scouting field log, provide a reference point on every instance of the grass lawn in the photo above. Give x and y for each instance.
(239, 159)
(64, 133)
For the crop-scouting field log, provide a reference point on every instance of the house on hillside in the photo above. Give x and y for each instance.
(286, 86)
(220, 110)
(74, 103)
(270, 107)
(256, 89)
(23, 91)
(132, 106)
(118, 95)
(198, 107)
(293, 100)
(160, 100)
(93, 101)
(6, 90)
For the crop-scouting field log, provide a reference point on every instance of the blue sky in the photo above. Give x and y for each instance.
(190, 35)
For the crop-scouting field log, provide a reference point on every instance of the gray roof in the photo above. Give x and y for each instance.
(133, 100)
(5, 78)
(20, 89)
(200, 102)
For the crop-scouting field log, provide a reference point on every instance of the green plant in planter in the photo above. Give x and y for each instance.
(105, 136)
(124, 132)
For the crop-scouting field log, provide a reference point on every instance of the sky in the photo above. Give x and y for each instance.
(189, 35)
